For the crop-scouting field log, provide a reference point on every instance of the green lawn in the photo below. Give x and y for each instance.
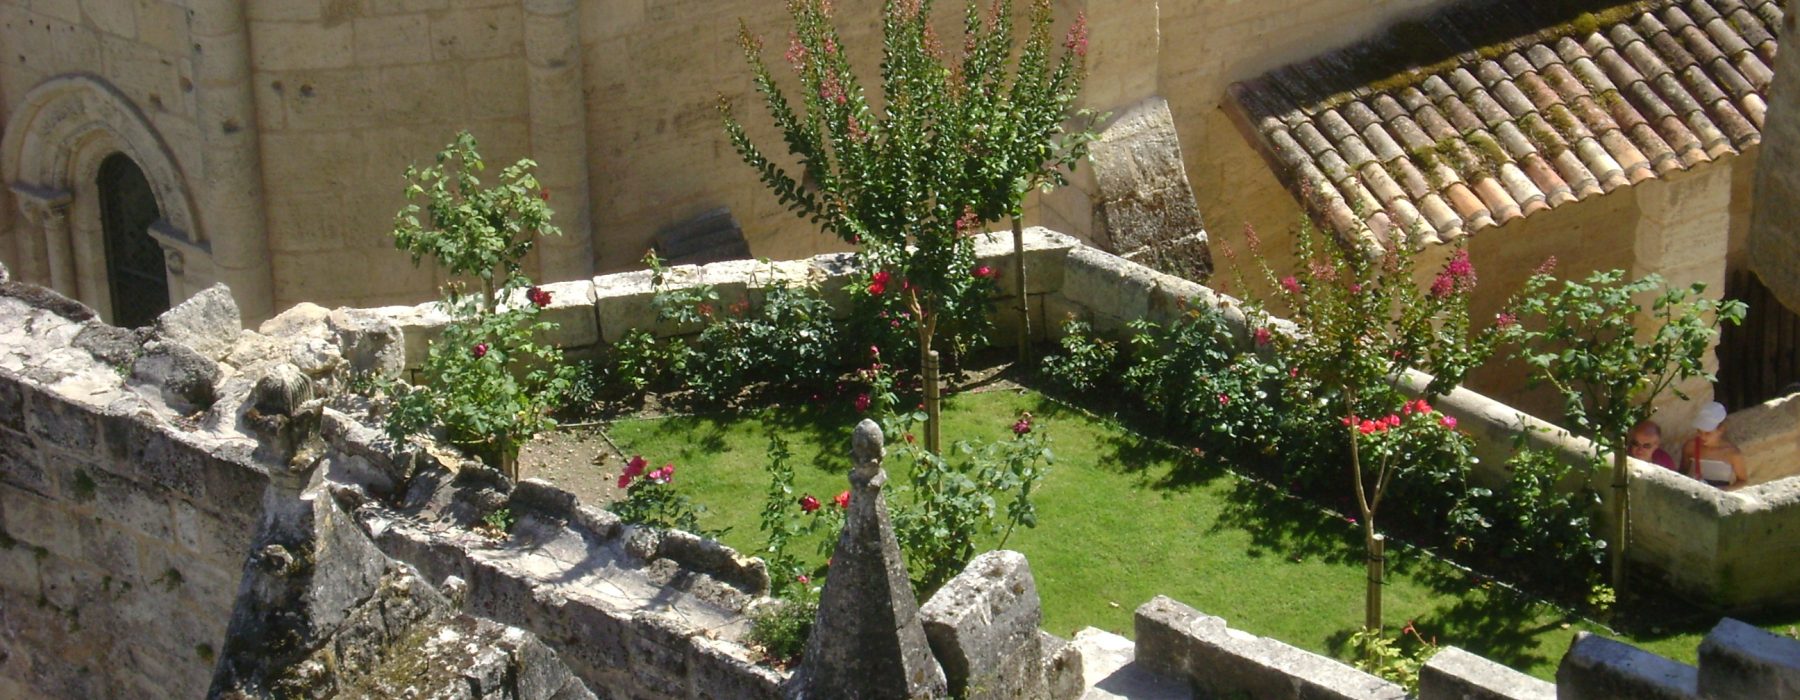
(1123, 518)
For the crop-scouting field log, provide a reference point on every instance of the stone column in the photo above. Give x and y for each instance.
(229, 194)
(868, 640)
(1683, 233)
(559, 134)
(46, 256)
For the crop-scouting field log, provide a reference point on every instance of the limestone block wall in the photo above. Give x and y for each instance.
(122, 526)
(347, 96)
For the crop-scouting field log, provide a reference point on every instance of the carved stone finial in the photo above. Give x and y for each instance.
(866, 449)
(867, 641)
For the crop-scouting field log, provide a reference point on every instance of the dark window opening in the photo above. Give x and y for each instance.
(135, 271)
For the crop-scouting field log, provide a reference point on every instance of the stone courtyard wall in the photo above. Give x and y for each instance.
(1723, 547)
(122, 527)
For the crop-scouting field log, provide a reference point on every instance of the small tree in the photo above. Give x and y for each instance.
(911, 182)
(1362, 322)
(1584, 340)
(488, 383)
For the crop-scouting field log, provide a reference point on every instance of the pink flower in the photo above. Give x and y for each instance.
(1349, 420)
(803, 579)
(538, 297)
(1442, 286)
(1355, 288)
(879, 282)
(1393, 421)
(1076, 41)
(663, 475)
(796, 53)
(842, 500)
(1367, 426)
(1224, 400)
(1422, 406)
(1290, 284)
(874, 352)
(968, 222)
(479, 351)
(808, 504)
(1262, 336)
(624, 481)
(985, 272)
(1545, 267)
(1450, 422)
(1505, 320)
(1022, 426)
(862, 403)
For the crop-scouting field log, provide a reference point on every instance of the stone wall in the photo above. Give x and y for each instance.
(123, 525)
(1769, 436)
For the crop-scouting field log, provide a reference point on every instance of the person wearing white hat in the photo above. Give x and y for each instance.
(1709, 457)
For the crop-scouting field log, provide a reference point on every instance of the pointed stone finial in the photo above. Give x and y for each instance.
(868, 640)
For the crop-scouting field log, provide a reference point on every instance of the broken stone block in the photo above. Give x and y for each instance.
(186, 379)
(208, 322)
(112, 345)
(983, 628)
(1177, 640)
(369, 342)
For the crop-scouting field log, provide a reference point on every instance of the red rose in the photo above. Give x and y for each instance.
(862, 403)
(808, 504)
(842, 500)
(879, 283)
(538, 297)
(985, 272)
(479, 351)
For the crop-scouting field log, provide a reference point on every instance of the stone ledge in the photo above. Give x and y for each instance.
(1454, 674)
(1597, 667)
(1741, 661)
(1178, 640)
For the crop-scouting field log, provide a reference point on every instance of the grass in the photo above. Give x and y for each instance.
(1124, 518)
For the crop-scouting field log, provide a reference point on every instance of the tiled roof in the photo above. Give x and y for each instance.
(1443, 130)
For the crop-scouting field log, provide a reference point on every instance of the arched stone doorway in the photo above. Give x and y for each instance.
(135, 272)
(66, 135)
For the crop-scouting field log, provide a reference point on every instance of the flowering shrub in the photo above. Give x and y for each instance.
(788, 342)
(488, 384)
(947, 504)
(782, 526)
(953, 143)
(1086, 362)
(652, 501)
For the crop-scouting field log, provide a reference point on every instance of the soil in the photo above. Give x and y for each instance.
(577, 459)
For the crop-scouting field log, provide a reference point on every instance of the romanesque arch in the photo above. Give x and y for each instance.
(55, 143)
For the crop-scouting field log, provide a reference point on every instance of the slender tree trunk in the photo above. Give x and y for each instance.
(933, 432)
(1376, 544)
(1018, 232)
(1621, 517)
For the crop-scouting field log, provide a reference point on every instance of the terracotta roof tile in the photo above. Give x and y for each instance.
(1492, 110)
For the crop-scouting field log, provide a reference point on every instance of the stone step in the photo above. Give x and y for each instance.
(1107, 664)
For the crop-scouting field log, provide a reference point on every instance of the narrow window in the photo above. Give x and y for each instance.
(134, 262)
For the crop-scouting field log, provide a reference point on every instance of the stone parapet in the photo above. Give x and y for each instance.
(1738, 660)
(1596, 667)
(1454, 674)
(1176, 640)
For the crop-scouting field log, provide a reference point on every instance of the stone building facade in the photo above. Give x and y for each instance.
(272, 133)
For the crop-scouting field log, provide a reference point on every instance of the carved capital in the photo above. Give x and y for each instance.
(41, 205)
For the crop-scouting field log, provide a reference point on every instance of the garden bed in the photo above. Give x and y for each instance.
(1122, 519)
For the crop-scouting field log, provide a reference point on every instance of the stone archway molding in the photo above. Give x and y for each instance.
(53, 144)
